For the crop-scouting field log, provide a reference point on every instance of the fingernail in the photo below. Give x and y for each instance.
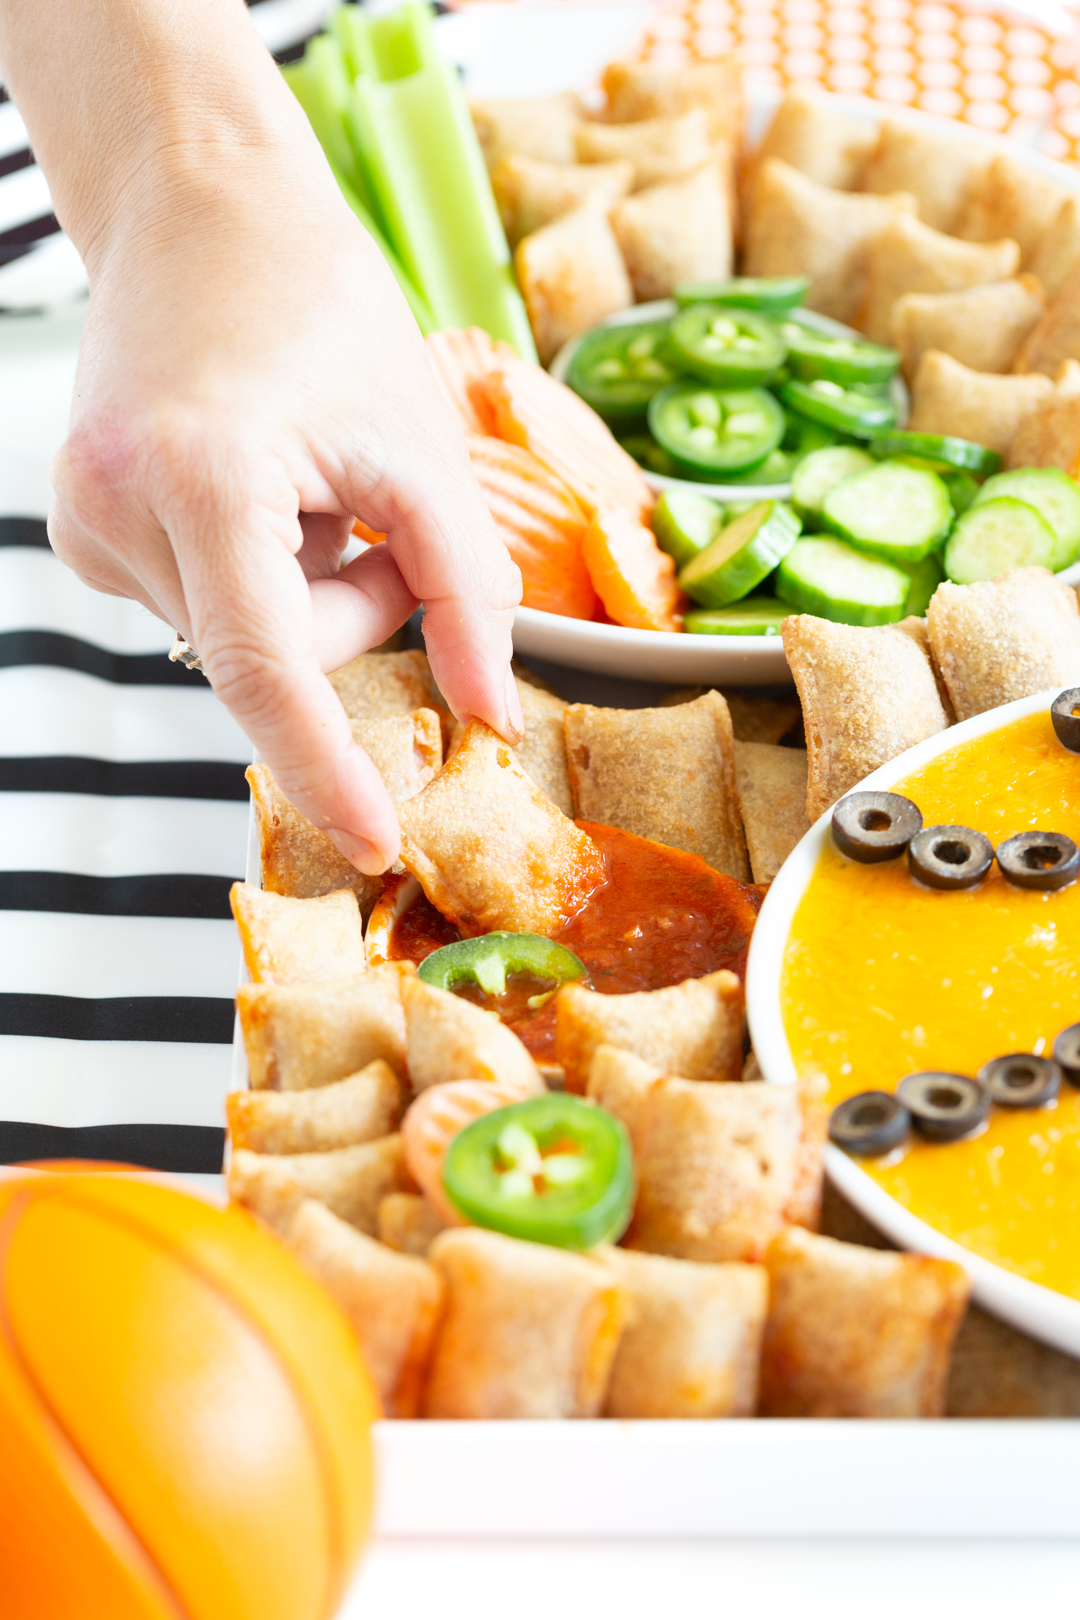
(363, 855)
(515, 720)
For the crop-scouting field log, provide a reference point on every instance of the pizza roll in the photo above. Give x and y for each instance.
(753, 718)
(772, 794)
(460, 359)
(392, 1301)
(296, 859)
(350, 1181)
(1056, 337)
(678, 231)
(854, 1332)
(1058, 252)
(302, 1035)
(531, 193)
(1005, 638)
(383, 684)
(408, 1223)
(982, 327)
(1012, 199)
(451, 1039)
(810, 134)
(716, 1168)
(1050, 435)
(907, 256)
(797, 227)
(803, 1207)
(541, 753)
(637, 90)
(537, 126)
(619, 1081)
(659, 148)
(290, 941)
(489, 850)
(693, 1029)
(572, 275)
(867, 694)
(361, 1108)
(947, 397)
(692, 1341)
(529, 1331)
(940, 169)
(667, 774)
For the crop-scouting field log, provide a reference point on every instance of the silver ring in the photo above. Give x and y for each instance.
(182, 652)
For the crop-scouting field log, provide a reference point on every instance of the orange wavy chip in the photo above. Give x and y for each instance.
(634, 579)
(460, 359)
(362, 532)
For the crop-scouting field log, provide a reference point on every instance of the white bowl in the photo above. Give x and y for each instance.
(1029, 1306)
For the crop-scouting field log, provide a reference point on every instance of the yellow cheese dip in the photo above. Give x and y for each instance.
(882, 977)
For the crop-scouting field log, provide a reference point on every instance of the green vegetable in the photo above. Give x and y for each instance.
(648, 454)
(940, 452)
(925, 576)
(741, 556)
(819, 473)
(714, 431)
(487, 960)
(857, 411)
(894, 511)
(801, 436)
(753, 616)
(732, 348)
(552, 1169)
(852, 362)
(685, 523)
(832, 580)
(618, 369)
(995, 537)
(1054, 496)
(772, 295)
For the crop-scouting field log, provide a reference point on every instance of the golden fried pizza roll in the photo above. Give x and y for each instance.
(489, 850)
(571, 274)
(350, 1181)
(803, 1208)
(810, 134)
(1056, 337)
(289, 941)
(541, 753)
(302, 1035)
(908, 256)
(529, 1331)
(392, 1301)
(450, 1039)
(537, 126)
(940, 169)
(854, 1332)
(1058, 252)
(1005, 638)
(716, 1168)
(360, 1108)
(867, 694)
(982, 327)
(753, 718)
(531, 193)
(692, 1342)
(659, 148)
(772, 794)
(678, 231)
(296, 859)
(1050, 436)
(947, 397)
(693, 1029)
(797, 227)
(408, 1223)
(638, 90)
(1012, 199)
(461, 358)
(667, 774)
(619, 1081)
(382, 684)
(406, 749)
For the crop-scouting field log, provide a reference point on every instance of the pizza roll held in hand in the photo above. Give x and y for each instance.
(982, 327)
(637, 90)
(908, 256)
(667, 774)
(529, 1331)
(537, 126)
(940, 169)
(296, 858)
(772, 794)
(797, 227)
(692, 1342)
(1056, 336)
(301, 1035)
(361, 1108)
(1005, 638)
(377, 685)
(693, 1029)
(854, 1332)
(289, 941)
(828, 146)
(716, 1168)
(1012, 199)
(392, 1300)
(351, 1181)
(408, 1223)
(659, 148)
(867, 694)
(572, 276)
(949, 398)
(450, 1039)
(489, 850)
(678, 231)
(1058, 253)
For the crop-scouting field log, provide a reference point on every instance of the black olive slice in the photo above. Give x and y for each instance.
(943, 1107)
(875, 826)
(871, 1123)
(1020, 1080)
(1065, 715)
(1039, 860)
(950, 857)
(1067, 1054)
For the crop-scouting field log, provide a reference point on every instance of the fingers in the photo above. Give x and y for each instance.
(96, 566)
(363, 604)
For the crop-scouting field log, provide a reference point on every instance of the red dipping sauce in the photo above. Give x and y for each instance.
(661, 917)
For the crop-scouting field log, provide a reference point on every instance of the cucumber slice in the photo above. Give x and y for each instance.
(741, 555)
(939, 451)
(831, 579)
(753, 616)
(820, 472)
(996, 537)
(962, 488)
(685, 523)
(1054, 496)
(891, 510)
(925, 577)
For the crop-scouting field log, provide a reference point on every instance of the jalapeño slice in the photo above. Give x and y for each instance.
(772, 295)
(486, 961)
(860, 412)
(734, 348)
(551, 1169)
(712, 431)
(617, 369)
(845, 360)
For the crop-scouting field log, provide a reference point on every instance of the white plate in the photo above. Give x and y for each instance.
(1029, 1306)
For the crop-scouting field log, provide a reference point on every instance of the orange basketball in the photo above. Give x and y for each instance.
(184, 1414)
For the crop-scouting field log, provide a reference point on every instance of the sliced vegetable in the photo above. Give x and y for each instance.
(433, 1120)
(741, 556)
(648, 454)
(995, 537)
(925, 576)
(773, 295)
(552, 1169)
(834, 581)
(714, 431)
(943, 1107)
(890, 510)
(942, 452)
(617, 369)
(801, 436)
(732, 348)
(846, 360)
(633, 578)
(753, 616)
(870, 1124)
(1066, 1054)
(1065, 718)
(819, 472)
(486, 961)
(775, 469)
(1039, 860)
(1020, 1080)
(962, 487)
(871, 827)
(685, 523)
(1054, 496)
(857, 411)
(950, 857)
